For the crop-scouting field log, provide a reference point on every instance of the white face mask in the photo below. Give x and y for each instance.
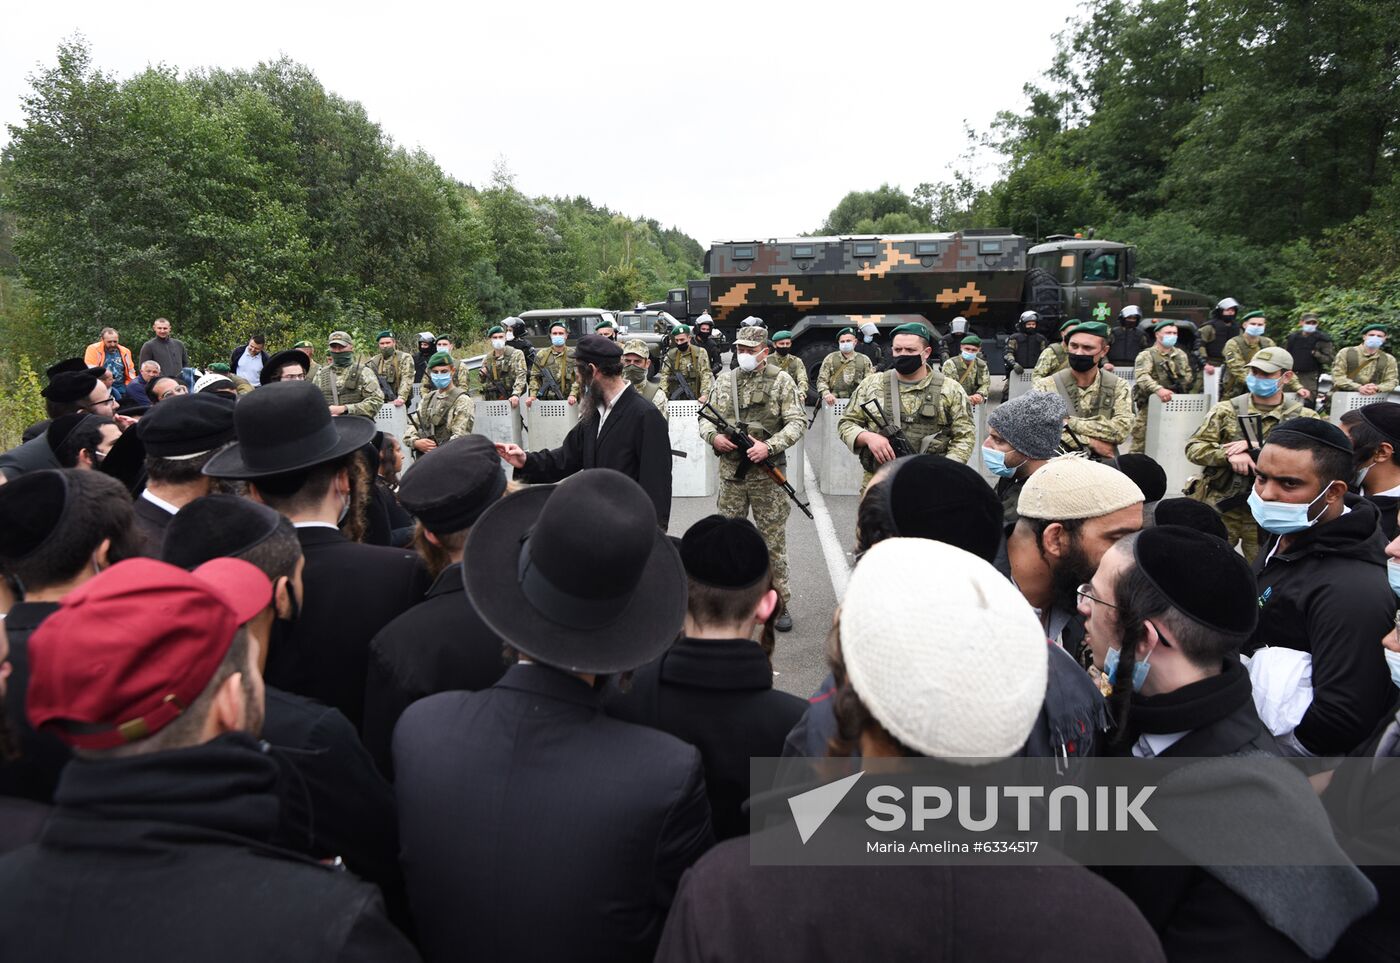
(847, 347)
(748, 362)
(498, 343)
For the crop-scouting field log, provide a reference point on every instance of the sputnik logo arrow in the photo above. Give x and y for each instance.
(810, 809)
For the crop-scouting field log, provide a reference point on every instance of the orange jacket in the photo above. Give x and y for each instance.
(95, 355)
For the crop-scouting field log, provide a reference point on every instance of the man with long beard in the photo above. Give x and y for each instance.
(616, 429)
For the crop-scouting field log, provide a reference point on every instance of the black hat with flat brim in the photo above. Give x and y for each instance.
(282, 359)
(284, 427)
(577, 575)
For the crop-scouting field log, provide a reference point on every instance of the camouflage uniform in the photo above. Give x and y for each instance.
(1219, 481)
(397, 372)
(795, 369)
(1212, 338)
(1053, 360)
(503, 378)
(1238, 354)
(648, 389)
(1153, 371)
(442, 416)
(1354, 368)
(460, 376)
(768, 405)
(694, 366)
(241, 385)
(1104, 410)
(933, 412)
(975, 377)
(561, 365)
(840, 374)
(355, 386)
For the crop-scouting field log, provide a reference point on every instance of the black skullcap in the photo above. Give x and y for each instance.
(97, 371)
(60, 428)
(69, 386)
(724, 552)
(596, 349)
(126, 461)
(31, 508)
(1322, 432)
(1384, 416)
(1190, 513)
(216, 526)
(67, 365)
(451, 486)
(187, 425)
(1145, 473)
(1205, 579)
(945, 501)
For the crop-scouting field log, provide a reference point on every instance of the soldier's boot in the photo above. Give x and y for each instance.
(784, 622)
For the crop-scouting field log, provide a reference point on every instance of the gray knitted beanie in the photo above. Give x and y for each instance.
(1031, 423)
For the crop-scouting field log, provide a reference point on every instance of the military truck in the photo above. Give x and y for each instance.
(685, 304)
(815, 286)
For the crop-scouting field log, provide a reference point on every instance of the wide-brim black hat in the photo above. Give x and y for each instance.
(541, 620)
(284, 427)
(280, 360)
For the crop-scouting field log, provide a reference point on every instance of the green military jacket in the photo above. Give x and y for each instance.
(975, 377)
(933, 412)
(1354, 368)
(1154, 371)
(694, 366)
(499, 379)
(442, 416)
(1238, 354)
(652, 392)
(561, 365)
(840, 374)
(767, 404)
(1053, 360)
(356, 387)
(795, 369)
(1104, 410)
(397, 371)
(1221, 428)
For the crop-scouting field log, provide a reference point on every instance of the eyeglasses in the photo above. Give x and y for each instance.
(1086, 591)
(109, 400)
(293, 376)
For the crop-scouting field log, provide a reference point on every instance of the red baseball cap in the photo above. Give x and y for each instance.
(130, 650)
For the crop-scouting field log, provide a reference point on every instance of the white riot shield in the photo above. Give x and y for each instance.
(498, 421)
(1169, 426)
(393, 420)
(415, 397)
(1020, 383)
(697, 474)
(979, 419)
(549, 422)
(1344, 401)
(795, 470)
(838, 469)
(1211, 384)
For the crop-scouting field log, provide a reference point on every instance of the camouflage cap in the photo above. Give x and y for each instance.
(751, 336)
(303, 344)
(340, 337)
(1096, 328)
(1272, 360)
(440, 357)
(781, 336)
(638, 347)
(914, 328)
(495, 329)
(972, 340)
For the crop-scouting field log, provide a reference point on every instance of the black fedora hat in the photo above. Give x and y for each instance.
(285, 427)
(280, 360)
(521, 569)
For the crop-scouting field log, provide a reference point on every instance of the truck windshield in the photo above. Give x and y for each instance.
(1100, 265)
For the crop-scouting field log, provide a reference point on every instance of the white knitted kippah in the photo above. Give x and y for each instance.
(966, 686)
(1072, 486)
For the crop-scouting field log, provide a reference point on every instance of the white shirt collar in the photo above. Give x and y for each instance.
(315, 525)
(160, 503)
(1151, 744)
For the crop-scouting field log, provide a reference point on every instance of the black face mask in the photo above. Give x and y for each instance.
(907, 364)
(783, 352)
(1082, 362)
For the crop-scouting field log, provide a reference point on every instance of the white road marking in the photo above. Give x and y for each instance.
(826, 534)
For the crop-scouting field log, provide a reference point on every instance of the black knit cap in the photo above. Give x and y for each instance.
(596, 349)
(1322, 432)
(31, 507)
(1205, 579)
(945, 501)
(724, 552)
(69, 386)
(1192, 514)
(1384, 416)
(216, 526)
(1145, 473)
(187, 425)
(451, 486)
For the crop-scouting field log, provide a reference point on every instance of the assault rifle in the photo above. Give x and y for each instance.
(1252, 432)
(549, 384)
(898, 440)
(743, 441)
(682, 392)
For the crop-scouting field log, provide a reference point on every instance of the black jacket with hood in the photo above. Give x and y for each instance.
(1328, 595)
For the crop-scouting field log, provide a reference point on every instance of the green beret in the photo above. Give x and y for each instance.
(1168, 323)
(782, 335)
(219, 367)
(845, 331)
(383, 334)
(495, 329)
(1375, 327)
(441, 357)
(914, 328)
(973, 340)
(1252, 314)
(605, 323)
(680, 329)
(303, 344)
(1097, 328)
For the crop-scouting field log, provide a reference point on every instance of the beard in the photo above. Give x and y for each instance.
(590, 397)
(1066, 577)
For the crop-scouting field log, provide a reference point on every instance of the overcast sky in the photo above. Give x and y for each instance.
(725, 119)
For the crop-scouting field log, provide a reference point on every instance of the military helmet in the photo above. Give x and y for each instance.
(1130, 311)
(1030, 316)
(1226, 304)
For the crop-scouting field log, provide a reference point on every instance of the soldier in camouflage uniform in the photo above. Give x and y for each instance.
(559, 360)
(1240, 349)
(1055, 358)
(764, 399)
(350, 386)
(1313, 353)
(636, 359)
(1216, 333)
(395, 367)
(689, 363)
(843, 370)
(1365, 367)
(1026, 346)
(445, 413)
(933, 410)
(1219, 445)
(1100, 403)
(501, 376)
(240, 384)
(459, 375)
(313, 368)
(970, 371)
(1163, 370)
(785, 360)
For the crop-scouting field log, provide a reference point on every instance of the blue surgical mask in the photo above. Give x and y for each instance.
(1282, 518)
(969, 356)
(440, 381)
(994, 460)
(1310, 329)
(1372, 341)
(1254, 330)
(1110, 669)
(556, 339)
(1261, 387)
(847, 347)
(1392, 574)
(1392, 659)
(1169, 340)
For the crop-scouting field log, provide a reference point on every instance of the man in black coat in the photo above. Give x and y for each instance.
(179, 437)
(296, 459)
(441, 644)
(171, 793)
(616, 429)
(533, 827)
(714, 687)
(1167, 638)
(71, 389)
(1322, 583)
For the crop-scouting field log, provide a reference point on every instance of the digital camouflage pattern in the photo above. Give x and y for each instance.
(501, 377)
(1103, 410)
(933, 412)
(356, 387)
(649, 390)
(693, 366)
(974, 376)
(1154, 370)
(841, 374)
(1354, 368)
(1053, 360)
(442, 416)
(397, 372)
(1239, 352)
(560, 363)
(792, 364)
